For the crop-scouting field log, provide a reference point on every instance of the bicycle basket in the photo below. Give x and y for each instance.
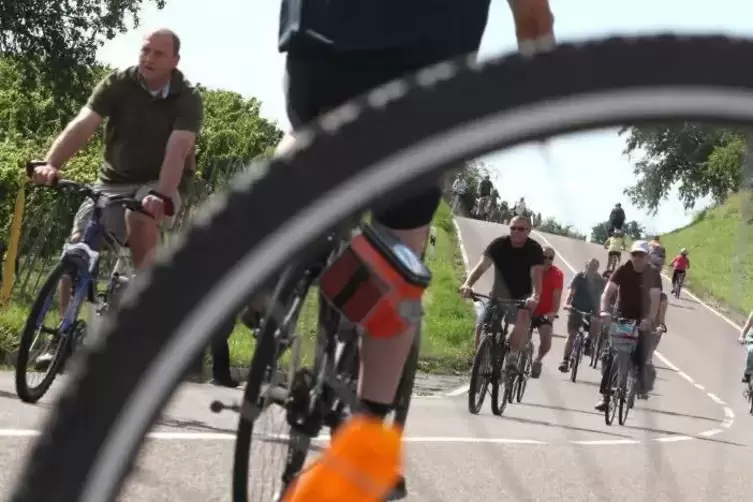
(623, 337)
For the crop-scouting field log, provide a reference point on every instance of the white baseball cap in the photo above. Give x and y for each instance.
(639, 247)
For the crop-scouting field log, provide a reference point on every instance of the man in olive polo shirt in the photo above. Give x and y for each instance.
(154, 116)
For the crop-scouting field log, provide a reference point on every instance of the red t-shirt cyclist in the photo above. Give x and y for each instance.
(680, 264)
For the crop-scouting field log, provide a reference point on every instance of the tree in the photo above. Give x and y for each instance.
(702, 160)
(632, 230)
(552, 226)
(56, 43)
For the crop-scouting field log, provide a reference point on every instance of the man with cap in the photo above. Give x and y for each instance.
(638, 288)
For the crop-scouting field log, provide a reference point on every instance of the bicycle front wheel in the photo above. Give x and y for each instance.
(481, 375)
(91, 438)
(35, 332)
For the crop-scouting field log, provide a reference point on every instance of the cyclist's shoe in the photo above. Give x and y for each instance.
(536, 369)
(511, 362)
(746, 378)
(564, 366)
(587, 347)
(43, 360)
(399, 492)
(602, 404)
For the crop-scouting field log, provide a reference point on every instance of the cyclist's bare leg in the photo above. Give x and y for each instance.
(382, 359)
(65, 288)
(662, 315)
(519, 334)
(545, 340)
(143, 238)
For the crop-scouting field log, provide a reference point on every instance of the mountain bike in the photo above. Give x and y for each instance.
(80, 262)
(324, 394)
(426, 124)
(576, 353)
(623, 374)
(488, 362)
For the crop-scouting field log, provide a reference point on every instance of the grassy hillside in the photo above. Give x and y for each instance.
(720, 246)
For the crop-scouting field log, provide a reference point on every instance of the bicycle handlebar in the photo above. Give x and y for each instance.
(504, 301)
(94, 194)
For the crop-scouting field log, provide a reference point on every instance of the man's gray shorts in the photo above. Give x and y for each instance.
(113, 216)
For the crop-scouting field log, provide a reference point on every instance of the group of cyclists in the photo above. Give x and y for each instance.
(485, 206)
(523, 269)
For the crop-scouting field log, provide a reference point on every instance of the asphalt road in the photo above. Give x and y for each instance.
(690, 441)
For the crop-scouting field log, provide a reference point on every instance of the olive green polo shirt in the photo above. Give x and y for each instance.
(139, 123)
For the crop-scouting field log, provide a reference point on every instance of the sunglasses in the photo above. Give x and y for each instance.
(547, 257)
(638, 254)
(519, 229)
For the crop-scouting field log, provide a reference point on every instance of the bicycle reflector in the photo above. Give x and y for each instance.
(376, 282)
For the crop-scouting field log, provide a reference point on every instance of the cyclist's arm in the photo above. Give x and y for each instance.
(79, 130)
(482, 266)
(181, 142)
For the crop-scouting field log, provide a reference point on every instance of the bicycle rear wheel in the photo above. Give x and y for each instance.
(91, 438)
(43, 303)
(480, 375)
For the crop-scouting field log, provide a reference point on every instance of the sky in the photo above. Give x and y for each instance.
(232, 44)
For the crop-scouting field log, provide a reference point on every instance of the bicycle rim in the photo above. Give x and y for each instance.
(480, 385)
(651, 78)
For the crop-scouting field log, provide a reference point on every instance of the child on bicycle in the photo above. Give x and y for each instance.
(747, 338)
(680, 264)
(615, 246)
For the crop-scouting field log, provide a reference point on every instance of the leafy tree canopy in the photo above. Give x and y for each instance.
(55, 43)
(700, 159)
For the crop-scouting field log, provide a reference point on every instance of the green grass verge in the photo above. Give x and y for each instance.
(447, 328)
(720, 251)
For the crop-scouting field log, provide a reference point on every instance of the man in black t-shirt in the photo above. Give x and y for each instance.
(518, 266)
(638, 287)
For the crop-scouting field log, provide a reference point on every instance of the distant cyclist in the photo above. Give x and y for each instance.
(459, 188)
(616, 219)
(520, 208)
(680, 265)
(552, 282)
(584, 295)
(746, 337)
(615, 245)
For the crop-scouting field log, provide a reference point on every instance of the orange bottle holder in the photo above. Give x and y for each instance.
(377, 283)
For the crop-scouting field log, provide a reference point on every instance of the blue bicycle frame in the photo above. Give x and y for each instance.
(85, 256)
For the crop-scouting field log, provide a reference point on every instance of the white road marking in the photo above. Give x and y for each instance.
(673, 439)
(715, 398)
(699, 386)
(605, 442)
(711, 432)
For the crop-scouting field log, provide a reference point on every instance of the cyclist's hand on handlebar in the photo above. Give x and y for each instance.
(532, 302)
(154, 206)
(466, 291)
(45, 175)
